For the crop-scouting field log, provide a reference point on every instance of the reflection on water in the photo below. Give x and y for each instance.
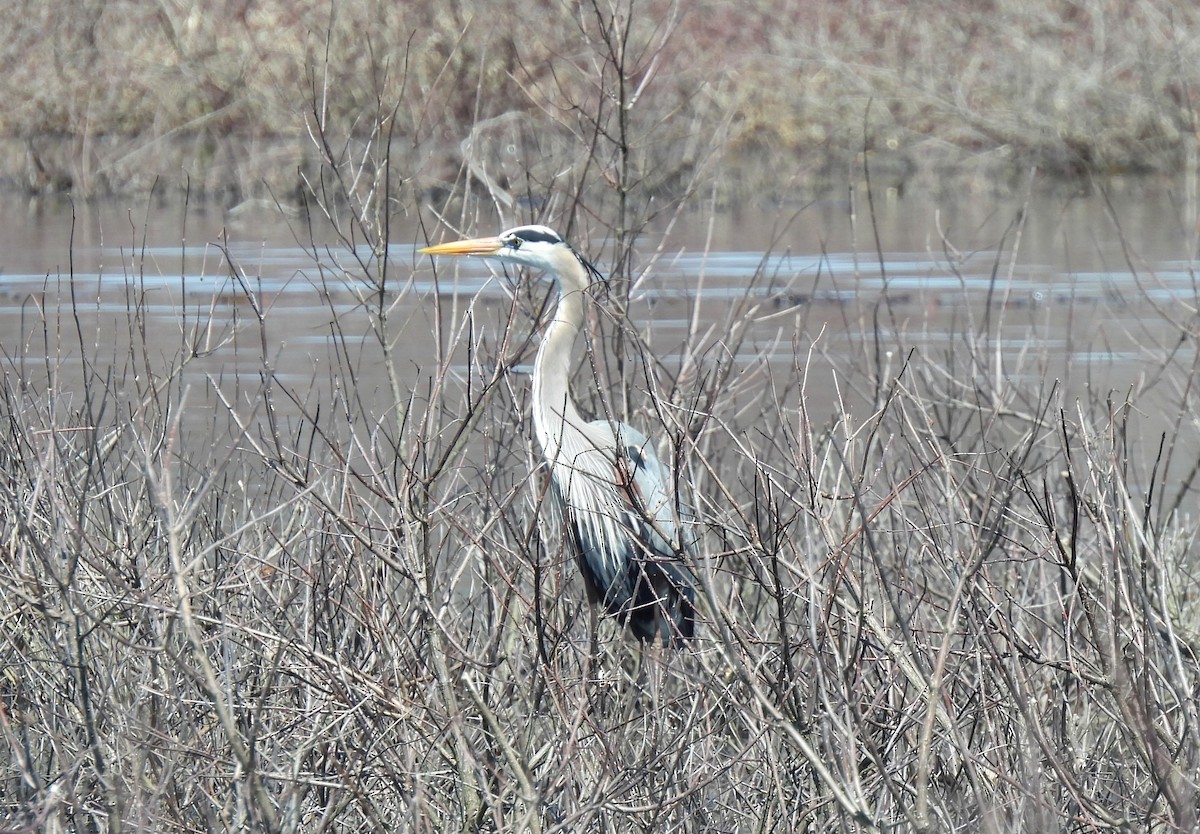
(1090, 293)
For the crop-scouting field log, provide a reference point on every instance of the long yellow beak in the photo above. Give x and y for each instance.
(473, 246)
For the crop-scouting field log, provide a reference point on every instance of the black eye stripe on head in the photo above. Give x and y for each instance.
(529, 234)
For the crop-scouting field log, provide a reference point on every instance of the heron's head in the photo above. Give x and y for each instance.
(538, 247)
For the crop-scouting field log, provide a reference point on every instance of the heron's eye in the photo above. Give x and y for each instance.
(513, 243)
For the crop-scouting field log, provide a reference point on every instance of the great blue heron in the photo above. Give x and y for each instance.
(617, 500)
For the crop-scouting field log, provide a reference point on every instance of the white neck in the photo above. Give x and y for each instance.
(554, 411)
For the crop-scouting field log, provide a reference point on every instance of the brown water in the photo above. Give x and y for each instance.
(1094, 285)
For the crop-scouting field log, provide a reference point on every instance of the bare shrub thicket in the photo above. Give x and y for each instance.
(963, 601)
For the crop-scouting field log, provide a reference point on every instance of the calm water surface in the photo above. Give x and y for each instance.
(1090, 284)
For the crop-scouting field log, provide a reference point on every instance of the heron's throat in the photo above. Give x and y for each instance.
(554, 412)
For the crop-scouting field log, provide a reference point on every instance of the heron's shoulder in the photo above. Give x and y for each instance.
(620, 434)
(629, 442)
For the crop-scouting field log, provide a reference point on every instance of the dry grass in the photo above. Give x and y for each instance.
(105, 97)
(964, 602)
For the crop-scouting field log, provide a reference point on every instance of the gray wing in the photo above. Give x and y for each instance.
(670, 525)
(631, 533)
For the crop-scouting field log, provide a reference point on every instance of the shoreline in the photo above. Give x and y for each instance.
(238, 170)
(780, 95)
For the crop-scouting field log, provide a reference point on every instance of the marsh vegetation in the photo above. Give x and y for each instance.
(963, 597)
(109, 97)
